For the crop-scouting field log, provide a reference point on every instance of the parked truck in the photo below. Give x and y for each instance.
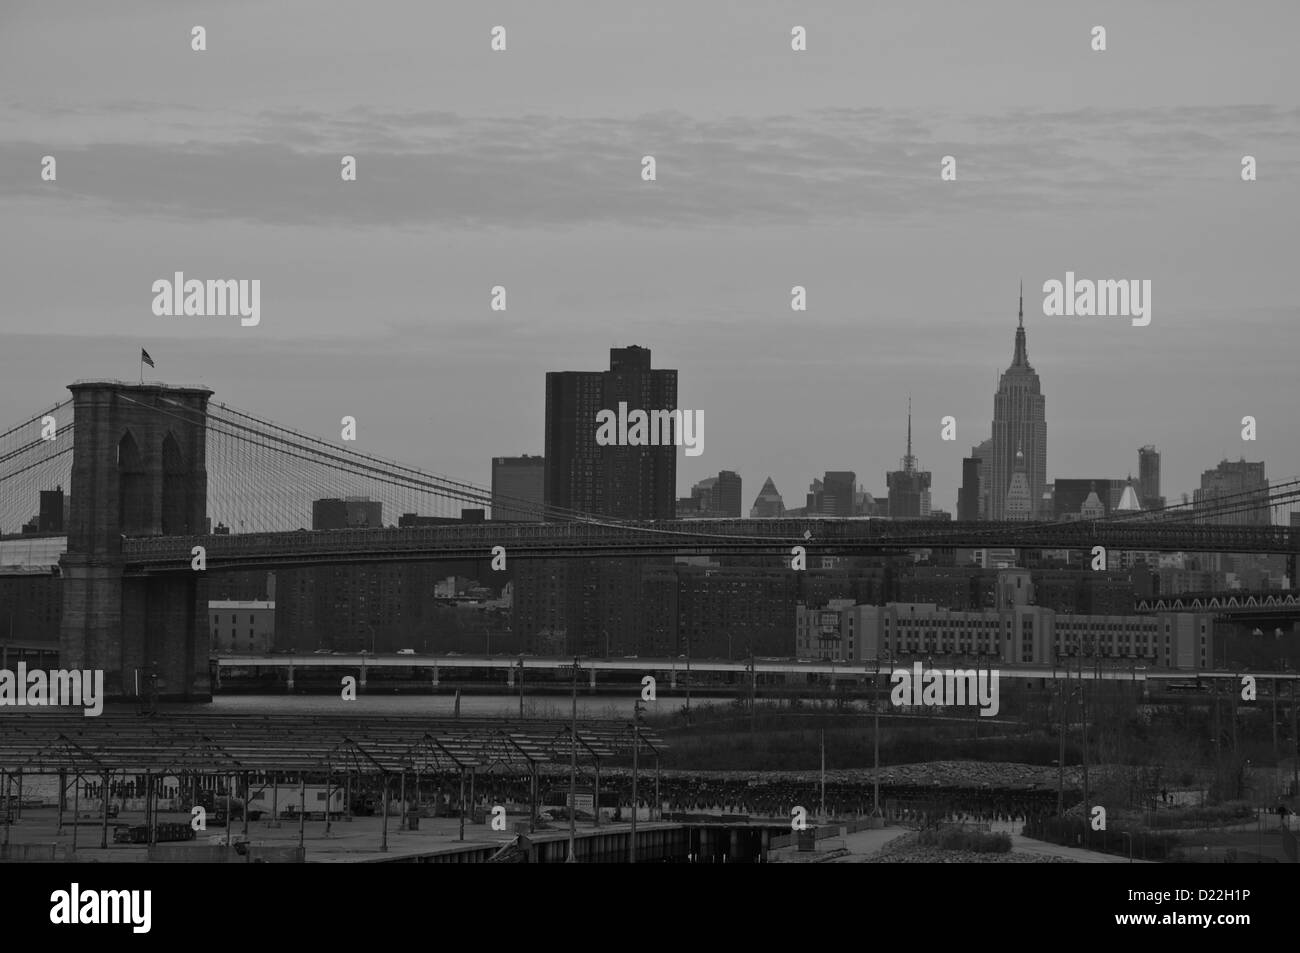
(287, 800)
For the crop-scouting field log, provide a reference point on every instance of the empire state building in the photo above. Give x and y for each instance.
(1019, 425)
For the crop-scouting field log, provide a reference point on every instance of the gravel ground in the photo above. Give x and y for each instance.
(907, 850)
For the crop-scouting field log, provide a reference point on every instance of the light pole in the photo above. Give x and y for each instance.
(753, 684)
(636, 751)
(875, 742)
(875, 739)
(521, 686)
(573, 769)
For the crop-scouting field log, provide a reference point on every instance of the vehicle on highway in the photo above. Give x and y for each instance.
(406, 651)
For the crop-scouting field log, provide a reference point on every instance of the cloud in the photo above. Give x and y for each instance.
(437, 168)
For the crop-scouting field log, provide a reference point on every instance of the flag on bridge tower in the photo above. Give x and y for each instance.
(144, 359)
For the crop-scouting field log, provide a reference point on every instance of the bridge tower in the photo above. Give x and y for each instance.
(138, 469)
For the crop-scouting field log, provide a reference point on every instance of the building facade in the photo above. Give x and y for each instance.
(352, 512)
(1017, 635)
(242, 627)
(518, 489)
(1233, 492)
(623, 482)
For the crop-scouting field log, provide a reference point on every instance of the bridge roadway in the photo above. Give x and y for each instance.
(172, 554)
(659, 666)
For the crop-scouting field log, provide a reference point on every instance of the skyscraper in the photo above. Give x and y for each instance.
(984, 454)
(768, 503)
(727, 494)
(833, 495)
(713, 496)
(518, 489)
(1149, 478)
(1233, 493)
(1019, 425)
(968, 497)
(909, 488)
(624, 482)
(53, 504)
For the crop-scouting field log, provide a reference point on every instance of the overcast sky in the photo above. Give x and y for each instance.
(775, 168)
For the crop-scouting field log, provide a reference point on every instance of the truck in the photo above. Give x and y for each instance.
(287, 800)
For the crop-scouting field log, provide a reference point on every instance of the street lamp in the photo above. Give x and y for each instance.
(875, 736)
(573, 769)
(636, 750)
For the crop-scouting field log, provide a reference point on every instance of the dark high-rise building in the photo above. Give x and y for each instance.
(1019, 426)
(1149, 478)
(50, 519)
(839, 488)
(1233, 493)
(518, 489)
(727, 494)
(968, 497)
(583, 606)
(624, 482)
(984, 454)
(909, 488)
(353, 512)
(715, 497)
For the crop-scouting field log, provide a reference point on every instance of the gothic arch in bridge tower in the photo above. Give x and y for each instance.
(133, 487)
(175, 520)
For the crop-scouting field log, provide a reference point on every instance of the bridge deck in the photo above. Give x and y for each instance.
(689, 537)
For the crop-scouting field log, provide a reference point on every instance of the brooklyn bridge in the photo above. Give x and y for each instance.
(150, 467)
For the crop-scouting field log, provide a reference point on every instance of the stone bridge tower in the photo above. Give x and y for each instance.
(138, 469)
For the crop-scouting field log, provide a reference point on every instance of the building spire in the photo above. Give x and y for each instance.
(1021, 357)
(909, 429)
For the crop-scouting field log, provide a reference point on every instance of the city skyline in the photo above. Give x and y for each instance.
(477, 170)
(354, 365)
